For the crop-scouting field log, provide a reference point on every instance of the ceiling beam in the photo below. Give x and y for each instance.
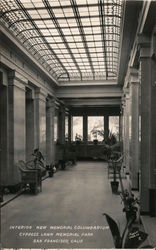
(93, 91)
(91, 102)
(89, 83)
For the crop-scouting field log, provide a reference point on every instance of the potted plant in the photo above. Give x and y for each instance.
(50, 169)
(116, 165)
(130, 205)
(95, 133)
(78, 139)
(114, 183)
(132, 237)
(95, 141)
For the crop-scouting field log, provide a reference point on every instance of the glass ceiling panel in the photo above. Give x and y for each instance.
(75, 40)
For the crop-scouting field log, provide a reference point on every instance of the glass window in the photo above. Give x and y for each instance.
(114, 125)
(95, 128)
(77, 134)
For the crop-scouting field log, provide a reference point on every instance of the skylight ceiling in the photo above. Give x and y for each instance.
(75, 40)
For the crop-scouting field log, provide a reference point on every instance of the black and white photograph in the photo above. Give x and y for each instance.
(77, 124)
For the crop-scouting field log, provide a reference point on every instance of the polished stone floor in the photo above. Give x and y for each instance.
(66, 214)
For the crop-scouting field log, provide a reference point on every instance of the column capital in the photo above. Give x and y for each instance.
(62, 108)
(126, 93)
(50, 102)
(144, 40)
(40, 94)
(123, 101)
(144, 46)
(16, 79)
(134, 76)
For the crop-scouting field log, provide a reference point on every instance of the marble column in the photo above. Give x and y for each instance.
(50, 113)
(120, 127)
(85, 128)
(70, 130)
(62, 125)
(40, 120)
(3, 130)
(148, 122)
(16, 125)
(127, 129)
(66, 126)
(134, 164)
(30, 123)
(106, 127)
(123, 128)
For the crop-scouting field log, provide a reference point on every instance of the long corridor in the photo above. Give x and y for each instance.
(66, 214)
